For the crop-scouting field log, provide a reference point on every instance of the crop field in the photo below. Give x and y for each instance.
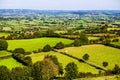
(4, 53)
(35, 44)
(10, 63)
(98, 53)
(116, 43)
(82, 67)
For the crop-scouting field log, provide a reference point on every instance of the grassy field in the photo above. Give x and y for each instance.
(4, 53)
(93, 38)
(116, 43)
(64, 60)
(3, 34)
(10, 63)
(98, 53)
(35, 44)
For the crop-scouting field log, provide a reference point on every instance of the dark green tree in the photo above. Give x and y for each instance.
(83, 38)
(59, 45)
(105, 64)
(27, 60)
(21, 73)
(116, 69)
(76, 42)
(4, 73)
(47, 48)
(19, 50)
(71, 71)
(3, 45)
(85, 56)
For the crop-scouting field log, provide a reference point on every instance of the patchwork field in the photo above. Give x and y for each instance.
(64, 60)
(35, 44)
(98, 54)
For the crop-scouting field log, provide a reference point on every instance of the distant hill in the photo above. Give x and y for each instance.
(54, 12)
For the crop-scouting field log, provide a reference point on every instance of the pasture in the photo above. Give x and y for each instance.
(4, 34)
(10, 63)
(82, 67)
(4, 53)
(116, 43)
(98, 53)
(35, 44)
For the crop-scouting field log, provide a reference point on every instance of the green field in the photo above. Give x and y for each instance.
(116, 43)
(64, 60)
(93, 38)
(4, 34)
(35, 44)
(10, 63)
(98, 54)
(4, 53)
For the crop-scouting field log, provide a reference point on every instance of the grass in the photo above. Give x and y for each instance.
(4, 34)
(98, 53)
(116, 43)
(10, 63)
(35, 44)
(93, 38)
(4, 53)
(82, 67)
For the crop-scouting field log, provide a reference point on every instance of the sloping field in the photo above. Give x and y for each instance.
(10, 63)
(35, 44)
(116, 43)
(64, 60)
(4, 53)
(98, 53)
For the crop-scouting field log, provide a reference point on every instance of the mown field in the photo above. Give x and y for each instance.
(35, 44)
(98, 53)
(10, 63)
(82, 67)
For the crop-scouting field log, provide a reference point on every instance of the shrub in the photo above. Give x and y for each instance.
(19, 50)
(47, 48)
(59, 45)
(3, 45)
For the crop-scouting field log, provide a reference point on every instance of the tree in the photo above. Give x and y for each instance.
(59, 45)
(21, 73)
(55, 60)
(105, 64)
(19, 50)
(83, 39)
(44, 70)
(4, 73)
(3, 45)
(116, 69)
(85, 56)
(47, 48)
(71, 71)
(27, 60)
(76, 42)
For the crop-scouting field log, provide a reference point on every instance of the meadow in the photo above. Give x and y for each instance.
(10, 63)
(64, 60)
(4, 53)
(116, 43)
(4, 34)
(35, 44)
(98, 53)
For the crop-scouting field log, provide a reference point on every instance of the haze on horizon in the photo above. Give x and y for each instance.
(61, 4)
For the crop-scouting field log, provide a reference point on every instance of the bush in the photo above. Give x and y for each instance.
(3, 45)
(47, 48)
(59, 45)
(86, 57)
(19, 50)
(105, 64)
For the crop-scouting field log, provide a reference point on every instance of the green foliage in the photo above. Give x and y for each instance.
(59, 45)
(47, 48)
(19, 50)
(116, 69)
(85, 56)
(4, 73)
(83, 39)
(44, 70)
(76, 42)
(105, 64)
(71, 71)
(27, 60)
(3, 45)
(21, 73)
